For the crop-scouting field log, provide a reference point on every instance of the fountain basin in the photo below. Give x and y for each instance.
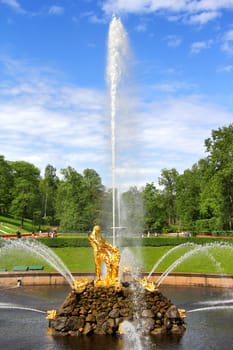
(33, 278)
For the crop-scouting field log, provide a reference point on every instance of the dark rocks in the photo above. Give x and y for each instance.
(101, 310)
(115, 313)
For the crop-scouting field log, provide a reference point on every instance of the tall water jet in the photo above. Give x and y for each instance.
(118, 53)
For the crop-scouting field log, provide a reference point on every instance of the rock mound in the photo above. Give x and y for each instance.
(101, 310)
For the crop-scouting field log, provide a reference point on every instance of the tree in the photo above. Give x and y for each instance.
(26, 197)
(220, 160)
(93, 192)
(70, 200)
(6, 184)
(168, 181)
(48, 187)
(188, 191)
(154, 218)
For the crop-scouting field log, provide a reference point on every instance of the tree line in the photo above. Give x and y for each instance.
(199, 200)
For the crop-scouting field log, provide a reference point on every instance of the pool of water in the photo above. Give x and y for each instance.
(208, 328)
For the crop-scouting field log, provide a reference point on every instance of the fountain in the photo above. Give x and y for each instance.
(103, 306)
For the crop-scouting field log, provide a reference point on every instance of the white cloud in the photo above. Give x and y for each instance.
(14, 5)
(137, 6)
(227, 69)
(197, 46)
(199, 11)
(173, 40)
(204, 17)
(209, 5)
(95, 19)
(173, 86)
(56, 10)
(142, 27)
(227, 45)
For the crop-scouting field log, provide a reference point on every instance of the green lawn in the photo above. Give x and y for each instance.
(218, 260)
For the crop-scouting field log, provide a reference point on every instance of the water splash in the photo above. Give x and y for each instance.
(42, 252)
(116, 67)
(129, 264)
(131, 336)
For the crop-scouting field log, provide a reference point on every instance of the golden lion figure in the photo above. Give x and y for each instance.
(105, 253)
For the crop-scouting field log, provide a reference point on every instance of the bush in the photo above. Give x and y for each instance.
(65, 242)
(173, 241)
(129, 242)
(223, 233)
(208, 225)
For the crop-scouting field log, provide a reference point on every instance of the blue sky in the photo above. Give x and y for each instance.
(54, 100)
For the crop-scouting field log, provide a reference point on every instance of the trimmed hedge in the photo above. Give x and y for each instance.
(173, 241)
(129, 242)
(223, 233)
(61, 242)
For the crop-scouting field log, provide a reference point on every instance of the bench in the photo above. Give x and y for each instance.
(20, 268)
(36, 267)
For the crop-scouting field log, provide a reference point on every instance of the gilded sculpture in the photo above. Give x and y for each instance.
(105, 253)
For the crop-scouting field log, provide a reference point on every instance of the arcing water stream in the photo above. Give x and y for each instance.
(170, 251)
(197, 249)
(19, 307)
(42, 252)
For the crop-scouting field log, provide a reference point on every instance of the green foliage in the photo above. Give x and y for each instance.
(48, 187)
(168, 180)
(154, 214)
(207, 225)
(78, 200)
(6, 184)
(25, 190)
(188, 197)
(220, 149)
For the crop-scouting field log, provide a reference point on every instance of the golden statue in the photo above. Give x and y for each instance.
(105, 253)
(150, 286)
(51, 314)
(80, 285)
